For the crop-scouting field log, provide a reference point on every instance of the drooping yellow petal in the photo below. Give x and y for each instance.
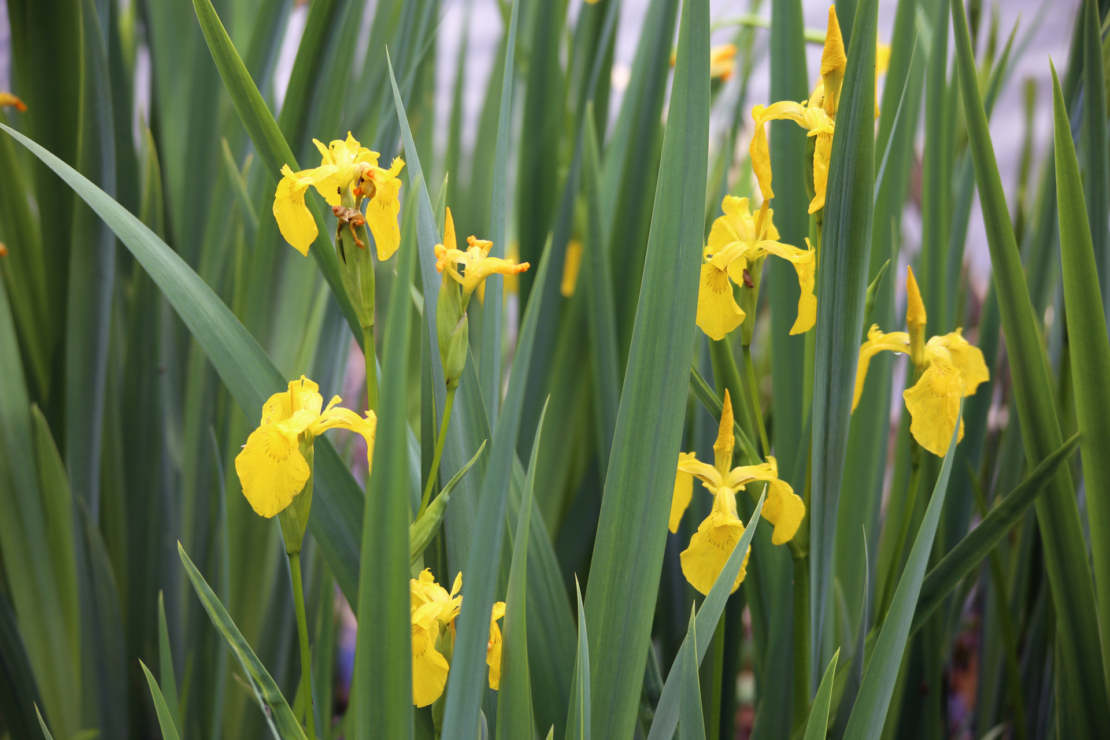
(707, 474)
(293, 218)
(429, 667)
(805, 265)
(710, 548)
(341, 418)
(967, 359)
(571, 264)
(822, 154)
(683, 491)
(382, 210)
(493, 648)
(9, 100)
(898, 341)
(833, 63)
(783, 508)
(718, 312)
(934, 406)
(271, 469)
(758, 150)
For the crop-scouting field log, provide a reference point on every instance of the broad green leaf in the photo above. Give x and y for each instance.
(819, 712)
(873, 700)
(270, 699)
(91, 270)
(490, 365)
(667, 711)
(269, 142)
(514, 698)
(1082, 694)
(1088, 345)
(691, 723)
(241, 363)
(789, 81)
(383, 656)
(578, 718)
(599, 286)
(631, 533)
(970, 551)
(841, 287)
(166, 720)
(307, 68)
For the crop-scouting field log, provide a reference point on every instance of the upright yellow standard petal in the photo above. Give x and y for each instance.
(709, 549)
(967, 359)
(293, 218)
(718, 312)
(726, 438)
(934, 406)
(271, 469)
(493, 648)
(683, 491)
(833, 63)
(429, 667)
(382, 210)
(898, 341)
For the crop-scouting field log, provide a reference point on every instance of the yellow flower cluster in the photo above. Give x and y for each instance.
(272, 466)
(717, 535)
(433, 637)
(947, 369)
(738, 242)
(346, 169)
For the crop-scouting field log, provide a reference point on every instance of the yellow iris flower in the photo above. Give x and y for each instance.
(736, 241)
(346, 169)
(272, 467)
(948, 369)
(476, 263)
(722, 59)
(717, 535)
(433, 612)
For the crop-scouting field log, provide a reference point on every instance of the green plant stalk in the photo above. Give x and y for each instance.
(757, 413)
(713, 730)
(903, 529)
(434, 471)
(371, 368)
(302, 635)
(801, 640)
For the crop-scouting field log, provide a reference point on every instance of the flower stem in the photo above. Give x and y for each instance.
(427, 497)
(801, 640)
(903, 530)
(302, 634)
(756, 411)
(371, 368)
(713, 730)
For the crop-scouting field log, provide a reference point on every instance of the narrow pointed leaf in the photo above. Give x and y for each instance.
(166, 720)
(691, 721)
(578, 718)
(819, 712)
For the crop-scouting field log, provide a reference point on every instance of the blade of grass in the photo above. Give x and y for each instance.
(269, 695)
(819, 712)
(578, 718)
(165, 666)
(873, 700)
(514, 699)
(166, 720)
(489, 367)
(1065, 556)
(842, 284)
(628, 553)
(1088, 345)
(667, 711)
(1096, 179)
(691, 723)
